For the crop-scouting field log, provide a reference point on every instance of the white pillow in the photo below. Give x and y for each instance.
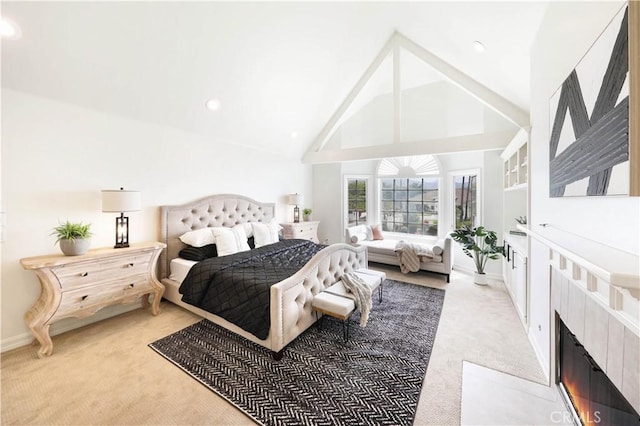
(198, 238)
(265, 233)
(230, 240)
(359, 236)
(438, 248)
(369, 233)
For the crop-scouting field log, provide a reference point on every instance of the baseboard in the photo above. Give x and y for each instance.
(538, 352)
(469, 271)
(65, 325)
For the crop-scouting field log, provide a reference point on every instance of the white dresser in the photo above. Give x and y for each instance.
(301, 230)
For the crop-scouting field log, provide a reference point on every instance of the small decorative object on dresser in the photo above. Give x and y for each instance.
(74, 238)
(79, 286)
(306, 214)
(301, 231)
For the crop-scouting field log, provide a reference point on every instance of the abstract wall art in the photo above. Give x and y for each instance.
(589, 146)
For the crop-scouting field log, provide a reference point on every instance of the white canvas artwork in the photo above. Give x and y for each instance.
(589, 115)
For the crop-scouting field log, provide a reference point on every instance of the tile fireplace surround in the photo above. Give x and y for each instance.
(600, 305)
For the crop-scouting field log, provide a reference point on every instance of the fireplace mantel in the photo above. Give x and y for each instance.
(595, 290)
(610, 275)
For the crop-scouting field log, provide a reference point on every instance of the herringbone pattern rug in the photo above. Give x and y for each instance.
(373, 378)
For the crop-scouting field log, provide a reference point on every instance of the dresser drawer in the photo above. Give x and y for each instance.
(304, 234)
(103, 295)
(95, 273)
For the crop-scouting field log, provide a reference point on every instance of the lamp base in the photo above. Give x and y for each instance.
(122, 231)
(296, 214)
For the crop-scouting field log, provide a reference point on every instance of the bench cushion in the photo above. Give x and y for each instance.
(333, 305)
(372, 278)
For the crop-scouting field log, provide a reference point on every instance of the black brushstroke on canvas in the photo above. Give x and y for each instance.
(602, 141)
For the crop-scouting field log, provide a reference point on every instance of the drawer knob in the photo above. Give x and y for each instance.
(84, 274)
(129, 265)
(131, 285)
(85, 297)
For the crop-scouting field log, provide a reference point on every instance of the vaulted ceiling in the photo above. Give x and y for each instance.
(276, 67)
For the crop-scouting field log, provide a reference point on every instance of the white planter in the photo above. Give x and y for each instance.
(74, 247)
(480, 279)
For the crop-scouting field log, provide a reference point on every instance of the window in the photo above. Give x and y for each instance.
(465, 206)
(356, 201)
(410, 205)
(409, 195)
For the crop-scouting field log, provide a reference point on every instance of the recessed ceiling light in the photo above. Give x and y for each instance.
(213, 105)
(478, 46)
(294, 135)
(9, 30)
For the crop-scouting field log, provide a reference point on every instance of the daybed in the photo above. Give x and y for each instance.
(384, 250)
(290, 311)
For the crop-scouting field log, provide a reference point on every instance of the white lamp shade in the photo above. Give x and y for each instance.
(119, 200)
(296, 199)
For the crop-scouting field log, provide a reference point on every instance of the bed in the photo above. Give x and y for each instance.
(289, 299)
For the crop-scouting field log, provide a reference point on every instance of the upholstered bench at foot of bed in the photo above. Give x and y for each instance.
(373, 278)
(338, 302)
(335, 306)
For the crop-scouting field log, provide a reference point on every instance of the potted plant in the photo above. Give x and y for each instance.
(479, 244)
(74, 238)
(306, 213)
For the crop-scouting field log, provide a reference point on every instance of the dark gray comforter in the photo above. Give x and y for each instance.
(237, 287)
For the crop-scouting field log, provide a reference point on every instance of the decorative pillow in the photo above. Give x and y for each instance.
(376, 232)
(438, 248)
(198, 238)
(199, 253)
(230, 240)
(369, 232)
(265, 233)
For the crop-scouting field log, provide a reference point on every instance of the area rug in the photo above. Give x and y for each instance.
(375, 377)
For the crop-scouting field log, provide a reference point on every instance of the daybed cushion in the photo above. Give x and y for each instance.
(388, 247)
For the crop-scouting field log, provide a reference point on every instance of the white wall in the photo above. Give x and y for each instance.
(56, 158)
(562, 41)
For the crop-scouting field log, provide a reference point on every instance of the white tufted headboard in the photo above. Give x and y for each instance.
(216, 210)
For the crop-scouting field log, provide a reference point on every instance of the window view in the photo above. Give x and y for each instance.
(410, 205)
(465, 205)
(357, 201)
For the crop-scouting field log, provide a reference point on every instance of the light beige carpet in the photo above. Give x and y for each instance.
(104, 373)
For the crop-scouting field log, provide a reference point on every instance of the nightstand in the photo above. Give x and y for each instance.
(301, 230)
(79, 286)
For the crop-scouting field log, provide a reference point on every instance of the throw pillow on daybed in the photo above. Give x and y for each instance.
(376, 232)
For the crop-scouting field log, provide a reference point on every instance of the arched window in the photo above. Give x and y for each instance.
(409, 194)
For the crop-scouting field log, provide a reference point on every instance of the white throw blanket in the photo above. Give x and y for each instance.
(410, 256)
(362, 293)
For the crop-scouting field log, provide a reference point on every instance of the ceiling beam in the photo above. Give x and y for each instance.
(501, 105)
(479, 142)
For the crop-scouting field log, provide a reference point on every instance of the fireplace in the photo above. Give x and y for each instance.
(589, 394)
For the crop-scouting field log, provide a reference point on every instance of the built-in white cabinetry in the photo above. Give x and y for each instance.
(516, 162)
(515, 206)
(515, 274)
